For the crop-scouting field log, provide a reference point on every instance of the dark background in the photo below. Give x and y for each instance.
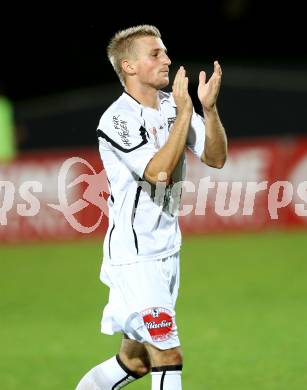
(55, 51)
(51, 53)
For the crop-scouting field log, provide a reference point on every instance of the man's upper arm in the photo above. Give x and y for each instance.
(126, 135)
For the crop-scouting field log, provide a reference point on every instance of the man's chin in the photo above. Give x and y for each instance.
(163, 84)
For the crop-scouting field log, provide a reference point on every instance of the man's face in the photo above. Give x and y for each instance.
(152, 62)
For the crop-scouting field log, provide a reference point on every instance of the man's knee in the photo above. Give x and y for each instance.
(176, 356)
(138, 365)
(135, 356)
(172, 356)
(168, 357)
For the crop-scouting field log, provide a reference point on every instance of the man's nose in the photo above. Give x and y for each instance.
(166, 59)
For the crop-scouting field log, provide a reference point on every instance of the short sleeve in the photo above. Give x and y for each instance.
(196, 135)
(125, 134)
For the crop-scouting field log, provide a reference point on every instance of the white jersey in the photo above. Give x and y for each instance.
(143, 224)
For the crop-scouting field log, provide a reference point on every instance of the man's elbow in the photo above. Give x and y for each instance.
(157, 177)
(218, 164)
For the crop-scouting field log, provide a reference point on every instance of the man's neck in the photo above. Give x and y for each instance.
(147, 97)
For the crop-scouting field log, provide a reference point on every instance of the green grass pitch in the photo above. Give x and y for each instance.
(241, 313)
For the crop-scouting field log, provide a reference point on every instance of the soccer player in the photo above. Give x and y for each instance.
(142, 140)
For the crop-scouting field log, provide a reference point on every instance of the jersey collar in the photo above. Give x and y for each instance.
(131, 99)
(137, 104)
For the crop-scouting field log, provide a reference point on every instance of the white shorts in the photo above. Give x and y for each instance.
(142, 301)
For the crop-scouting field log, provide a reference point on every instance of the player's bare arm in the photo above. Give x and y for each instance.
(166, 159)
(215, 151)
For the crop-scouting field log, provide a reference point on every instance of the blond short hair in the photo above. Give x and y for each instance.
(122, 44)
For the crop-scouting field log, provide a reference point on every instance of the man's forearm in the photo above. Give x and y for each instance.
(215, 151)
(166, 159)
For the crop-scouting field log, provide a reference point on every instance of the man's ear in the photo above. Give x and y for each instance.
(128, 67)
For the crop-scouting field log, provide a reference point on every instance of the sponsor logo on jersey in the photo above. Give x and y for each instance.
(159, 323)
(123, 132)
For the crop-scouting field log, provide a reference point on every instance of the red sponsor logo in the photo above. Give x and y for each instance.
(159, 323)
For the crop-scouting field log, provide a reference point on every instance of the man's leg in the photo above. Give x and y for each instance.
(130, 364)
(134, 356)
(166, 368)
